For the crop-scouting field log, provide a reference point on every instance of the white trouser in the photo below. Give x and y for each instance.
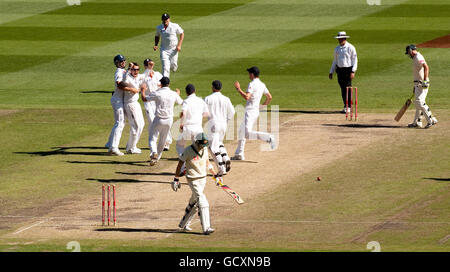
(189, 133)
(216, 133)
(159, 127)
(119, 124)
(197, 187)
(421, 105)
(169, 60)
(150, 109)
(136, 121)
(246, 131)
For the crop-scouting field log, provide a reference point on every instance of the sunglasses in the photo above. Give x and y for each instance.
(135, 69)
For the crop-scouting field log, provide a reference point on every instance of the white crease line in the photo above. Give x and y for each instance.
(27, 228)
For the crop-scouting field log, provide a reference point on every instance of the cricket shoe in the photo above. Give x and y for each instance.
(272, 142)
(115, 153)
(134, 151)
(429, 125)
(153, 159)
(238, 157)
(209, 231)
(166, 147)
(434, 120)
(415, 125)
(186, 228)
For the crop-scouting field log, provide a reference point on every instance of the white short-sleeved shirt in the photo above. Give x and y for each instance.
(152, 80)
(119, 76)
(220, 107)
(418, 62)
(194, 108)
(257, 88)
(196, 162)
(164, 99)
(168, 36)
(345, 56)
(136, 82)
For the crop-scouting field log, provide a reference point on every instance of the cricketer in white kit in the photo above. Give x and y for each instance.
(421, 85)
(168, 33)
(133, 109)
(117, 103)
(221, 111)
(193, 110)
(165, 100)
(255, 90)
(152, 80)
(196, 159)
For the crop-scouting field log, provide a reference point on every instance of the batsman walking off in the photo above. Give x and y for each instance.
(197, 163)
(255, 90)
(421, 85)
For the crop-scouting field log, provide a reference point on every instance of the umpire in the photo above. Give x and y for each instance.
(345, 63)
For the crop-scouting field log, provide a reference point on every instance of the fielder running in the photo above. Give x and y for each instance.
(170, 45)
(164, 99)
(221, 111)
(197, 162)
(255, 90)
(152, 81)
(421, 85)
(117, 106)
(133, 108)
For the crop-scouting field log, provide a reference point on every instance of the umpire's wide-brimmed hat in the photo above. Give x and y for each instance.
(342, 35)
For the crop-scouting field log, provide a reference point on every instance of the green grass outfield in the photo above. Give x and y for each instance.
(56, 76)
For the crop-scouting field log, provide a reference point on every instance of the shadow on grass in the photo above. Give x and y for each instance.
(132, 163)
(306, 111)
(438, 179)
(62, 150)
(362, 126)
(149, 174)
(148, 230)
(91, 92)
(131, 181)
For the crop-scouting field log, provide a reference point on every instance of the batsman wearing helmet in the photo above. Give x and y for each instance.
(421, 85)
(196, 159)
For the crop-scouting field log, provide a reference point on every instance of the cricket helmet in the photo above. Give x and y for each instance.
(410, 47)
(201, 139)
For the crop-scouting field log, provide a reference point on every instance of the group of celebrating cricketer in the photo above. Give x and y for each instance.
(159, 101)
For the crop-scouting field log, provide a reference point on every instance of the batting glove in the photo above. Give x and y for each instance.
(425, 83)
(218, 179)
(176, 184)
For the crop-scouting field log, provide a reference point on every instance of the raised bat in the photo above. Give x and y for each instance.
(403, 109)
(229, 191)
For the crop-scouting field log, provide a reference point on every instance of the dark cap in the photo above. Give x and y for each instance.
(410, 47)
(253, 70)
(147, 61)
(165, 16)
(190, 89)
(119, 58)
(165, 81)
(217, 85)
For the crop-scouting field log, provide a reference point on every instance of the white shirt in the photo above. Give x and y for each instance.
(220, 107)
(168, 36)
(119, 76)
(193, 109)
(345, 56)
(152, 81)
(164, 99)
(418, 71)
(136, 82)
(257, 88)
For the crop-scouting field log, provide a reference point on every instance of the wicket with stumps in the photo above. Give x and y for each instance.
(350, 103)
(106, 200)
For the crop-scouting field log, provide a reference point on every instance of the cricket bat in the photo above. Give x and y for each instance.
(230, 191)
(403, 109)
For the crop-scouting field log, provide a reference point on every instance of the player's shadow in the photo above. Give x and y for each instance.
(149, 174)
(362, 126)
(132, 163)
(67, 151)
(438, 179)
(305, 111)
(149, 230)
(130, 181)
